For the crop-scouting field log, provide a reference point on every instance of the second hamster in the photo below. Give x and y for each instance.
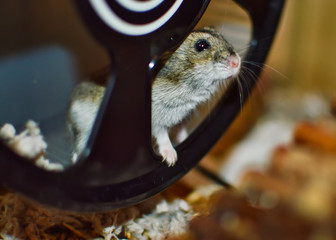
(191, 76)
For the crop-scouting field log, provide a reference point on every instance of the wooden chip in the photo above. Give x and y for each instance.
(320, 136)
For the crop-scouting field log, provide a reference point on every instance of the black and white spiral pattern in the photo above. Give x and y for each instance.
(133, 17)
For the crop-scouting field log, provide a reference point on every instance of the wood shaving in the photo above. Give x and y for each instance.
(20, 219)
(29, 144)
(293, 198)
(153, 219)
(168, 218)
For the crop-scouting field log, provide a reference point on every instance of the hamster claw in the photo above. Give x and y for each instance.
(166, 149)
(169, 156)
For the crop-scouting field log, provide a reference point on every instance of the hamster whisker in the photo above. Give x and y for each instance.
(222, 87)
(244, 81)
(251, 75)
(241, 92)
(246, 46)
(244, 51)
(247, 76)
(245, 84)
(262, 65)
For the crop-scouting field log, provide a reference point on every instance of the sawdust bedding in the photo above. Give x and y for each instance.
(294, 198)
(152, 219)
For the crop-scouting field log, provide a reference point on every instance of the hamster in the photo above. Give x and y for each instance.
(191, 76)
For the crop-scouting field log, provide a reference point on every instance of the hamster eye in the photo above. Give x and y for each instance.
(201, 45)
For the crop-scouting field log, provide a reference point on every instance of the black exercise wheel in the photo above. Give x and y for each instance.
(118, 167)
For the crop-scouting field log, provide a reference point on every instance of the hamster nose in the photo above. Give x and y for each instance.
(234, 61)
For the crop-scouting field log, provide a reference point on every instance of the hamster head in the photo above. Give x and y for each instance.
(202, 62)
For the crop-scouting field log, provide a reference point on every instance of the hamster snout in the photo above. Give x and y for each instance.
(192, 75)
(234, 62)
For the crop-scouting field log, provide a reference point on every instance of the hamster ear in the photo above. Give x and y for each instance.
(210, 28)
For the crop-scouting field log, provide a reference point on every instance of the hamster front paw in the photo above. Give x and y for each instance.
(165, 147)
(168, 154)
